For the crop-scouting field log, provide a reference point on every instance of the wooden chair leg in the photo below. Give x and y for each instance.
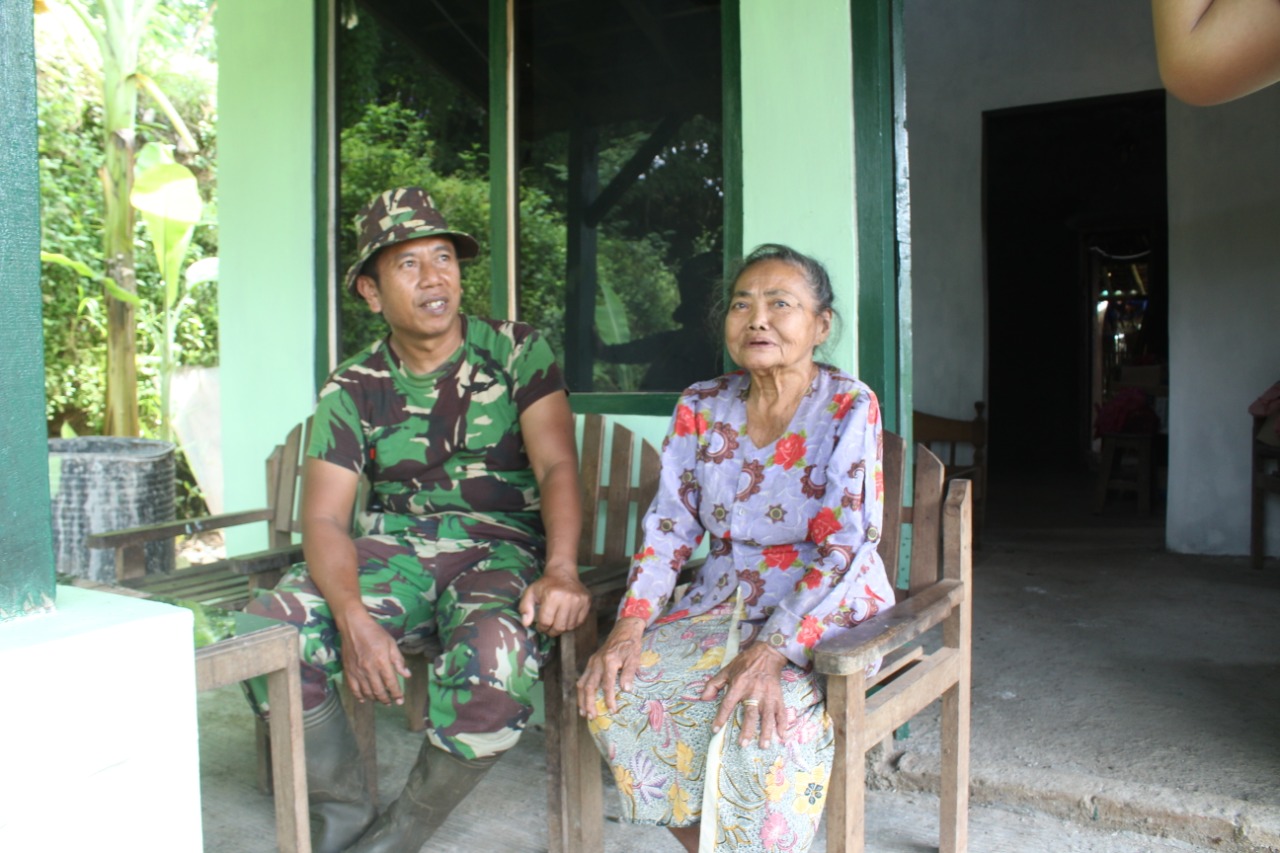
(1104, 473)
(957, 634)
(262, 745)
(415, 692)
(1143, 449)
(846, 800)
(954, 828)
(575, 792)
(1257, 524)
(363, 726)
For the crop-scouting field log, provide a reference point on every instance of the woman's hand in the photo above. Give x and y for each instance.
(753, 680)
(613, 665)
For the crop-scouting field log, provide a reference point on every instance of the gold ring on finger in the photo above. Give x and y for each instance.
(751, 703)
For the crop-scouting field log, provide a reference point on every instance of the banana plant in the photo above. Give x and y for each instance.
(119, 27)
(166, 195)
(611, 322)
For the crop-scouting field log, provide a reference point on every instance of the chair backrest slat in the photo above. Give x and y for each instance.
(284, 501)
(590, 465)
(894, 464)
(650, 471)
(926, 524)
(619, 497)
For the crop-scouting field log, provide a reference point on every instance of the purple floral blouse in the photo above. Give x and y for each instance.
(794, 525)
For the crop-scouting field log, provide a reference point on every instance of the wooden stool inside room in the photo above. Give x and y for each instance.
(1125, 468)
(949, 438)
(1264, 480)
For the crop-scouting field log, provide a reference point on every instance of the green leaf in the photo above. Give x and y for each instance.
(168, 198)
(83, 269)
(152, 154)
(120, 293)
(611, 315)
(67, 263)
(205, 269)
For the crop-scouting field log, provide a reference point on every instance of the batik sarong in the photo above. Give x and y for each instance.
(657, 744)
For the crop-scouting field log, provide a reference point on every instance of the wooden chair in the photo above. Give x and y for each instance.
(934, 430)
(604, 552)
(227, 583)
(939, 593)
(1264, 479)
(575, 799)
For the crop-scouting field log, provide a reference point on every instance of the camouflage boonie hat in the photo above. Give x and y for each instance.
(405, 213)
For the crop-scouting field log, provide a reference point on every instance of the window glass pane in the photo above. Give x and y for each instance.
(412, 102)
(618, 158)
(621, 180)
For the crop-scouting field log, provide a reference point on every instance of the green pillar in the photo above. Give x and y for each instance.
(796, 87)
(270, 169)
(873, 109)
(26, 536)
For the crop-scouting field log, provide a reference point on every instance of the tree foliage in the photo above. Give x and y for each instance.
(179, 52)
(405, 123)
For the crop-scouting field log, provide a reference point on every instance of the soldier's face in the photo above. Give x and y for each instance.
(419, 288)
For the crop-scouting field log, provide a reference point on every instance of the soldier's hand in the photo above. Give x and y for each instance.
(556, 602)
(371, 661)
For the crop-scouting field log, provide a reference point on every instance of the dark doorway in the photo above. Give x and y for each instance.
(1067, 186)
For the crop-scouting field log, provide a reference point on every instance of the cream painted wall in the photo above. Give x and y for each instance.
(1224, 323)
(797, 142)
(266, 175)
(967, 56)
(964, 57)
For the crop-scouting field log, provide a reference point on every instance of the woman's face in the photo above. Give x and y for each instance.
(773, 322)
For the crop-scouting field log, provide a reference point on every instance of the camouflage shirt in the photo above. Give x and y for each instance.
(443, 451)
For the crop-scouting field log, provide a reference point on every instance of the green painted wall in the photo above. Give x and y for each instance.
(797, 142)
(26, 537)
(267, 170)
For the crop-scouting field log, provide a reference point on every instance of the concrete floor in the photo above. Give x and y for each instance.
(1125, 699)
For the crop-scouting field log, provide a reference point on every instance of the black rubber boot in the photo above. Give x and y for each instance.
(337, 792)
(438, 781)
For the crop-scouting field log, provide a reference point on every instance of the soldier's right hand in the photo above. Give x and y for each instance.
(371, 661)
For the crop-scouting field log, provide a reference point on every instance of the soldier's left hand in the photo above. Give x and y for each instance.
(556, 602)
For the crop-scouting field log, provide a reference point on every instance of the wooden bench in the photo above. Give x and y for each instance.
(1264, 467)
(610, 510)
(227, 583)
(939, 594)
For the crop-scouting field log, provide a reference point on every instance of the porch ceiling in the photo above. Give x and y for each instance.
(581, 60)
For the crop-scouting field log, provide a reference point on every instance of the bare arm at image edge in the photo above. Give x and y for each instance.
(1213, 51)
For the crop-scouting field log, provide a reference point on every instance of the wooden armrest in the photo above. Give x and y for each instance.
(852, 651)
(170, 529)
(270, 560)
(603, 580)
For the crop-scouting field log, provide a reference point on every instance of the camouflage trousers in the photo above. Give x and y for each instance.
(463, 595)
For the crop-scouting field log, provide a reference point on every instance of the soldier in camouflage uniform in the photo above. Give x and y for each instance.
(463, 428)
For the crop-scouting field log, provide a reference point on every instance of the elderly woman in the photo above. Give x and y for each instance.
(707, 708)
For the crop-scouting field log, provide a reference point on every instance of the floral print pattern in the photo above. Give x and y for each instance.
(794, 525)
(657, 742)
(793, 532)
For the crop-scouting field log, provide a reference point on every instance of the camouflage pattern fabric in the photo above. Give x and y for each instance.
(462, 593)
(447, 446)
(453, 532)
(394, 216)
